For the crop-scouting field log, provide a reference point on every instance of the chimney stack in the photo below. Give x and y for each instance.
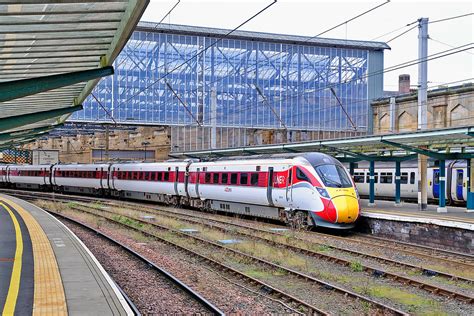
(404, 83)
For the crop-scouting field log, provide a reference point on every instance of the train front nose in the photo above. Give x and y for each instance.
(347, 208)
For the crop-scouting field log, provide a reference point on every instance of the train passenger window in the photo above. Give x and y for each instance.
(460, 178)
(254, 179)
(300, 175)
(147, 175)
(215, 178)
(225, 179)
(386, 177)
(359, 177)
(244, 178)
(160, 176)
(412, 178)
(233, 178)
(207, 177)
(404, 178)
(166, 176)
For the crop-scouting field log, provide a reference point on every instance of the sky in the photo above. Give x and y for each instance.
(308, 18)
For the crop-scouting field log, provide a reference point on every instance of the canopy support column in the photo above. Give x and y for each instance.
(442, 187)
(423, 183)
(351, 168)
(397, 183)
(372, 183)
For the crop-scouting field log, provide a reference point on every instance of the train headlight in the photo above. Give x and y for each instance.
(323, 192)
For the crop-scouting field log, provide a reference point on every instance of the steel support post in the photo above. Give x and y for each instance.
(372, 183)
(351, 168)
(397, 183)
(442, 187)
(422, 182)
(470, 185)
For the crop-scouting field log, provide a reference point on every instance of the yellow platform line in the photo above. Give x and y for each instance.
(430, 216)
(49, 297)
(12, 296)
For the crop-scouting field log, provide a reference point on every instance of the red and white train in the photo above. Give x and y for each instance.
(310, 189)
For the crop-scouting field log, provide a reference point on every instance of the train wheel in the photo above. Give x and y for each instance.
(299, 220)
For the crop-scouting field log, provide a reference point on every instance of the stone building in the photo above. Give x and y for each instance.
(447, 107)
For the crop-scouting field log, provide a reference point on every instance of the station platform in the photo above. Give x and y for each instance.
(46, 270)
(456, 217)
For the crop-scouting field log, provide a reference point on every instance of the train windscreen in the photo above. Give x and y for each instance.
(333, 176)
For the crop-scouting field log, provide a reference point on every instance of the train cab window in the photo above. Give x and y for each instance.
(207, 178)
(404, 178)
(215, 178)
(359, 177)
(376, 177)
(225, 178)
(459, 178)
(254, 179)
(166, 176)
(233, 178)
(301, 176)
(412, 178)
(244, 178)
(386, 177)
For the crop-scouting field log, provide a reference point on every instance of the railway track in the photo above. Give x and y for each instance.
(375, 271)
(190, 292)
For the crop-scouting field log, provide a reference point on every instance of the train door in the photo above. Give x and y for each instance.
(289, 187)
(459, 184)
(110, 177)
(101, 174)
(197, 182)
(176, 174)
(270, 186)
(436, 183)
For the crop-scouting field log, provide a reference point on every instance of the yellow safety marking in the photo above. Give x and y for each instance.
(434, 216)
(14, 288)
(49, 297)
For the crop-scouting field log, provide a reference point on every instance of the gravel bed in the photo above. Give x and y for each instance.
(229, 294)
(458, 286)
(148, 290)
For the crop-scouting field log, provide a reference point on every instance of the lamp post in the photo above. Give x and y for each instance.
(144, 144)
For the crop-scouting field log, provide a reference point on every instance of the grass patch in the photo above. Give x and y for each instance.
(415, 303)
(356, 266)
(127, 221)
(71, 204)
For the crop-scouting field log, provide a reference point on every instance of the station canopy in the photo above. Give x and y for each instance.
(52, 54)
(447, 143)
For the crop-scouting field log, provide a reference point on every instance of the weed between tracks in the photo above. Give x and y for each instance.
(413, 302)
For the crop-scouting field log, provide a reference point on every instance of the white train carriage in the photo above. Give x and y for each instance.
(384, 176)
(28, 176)
(3, 175)
(81, 178)
(161, 182)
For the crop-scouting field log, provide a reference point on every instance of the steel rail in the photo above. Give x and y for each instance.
(345, 292)
(448, 253)
(195, 295)
(374, 271)
(279, 294)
